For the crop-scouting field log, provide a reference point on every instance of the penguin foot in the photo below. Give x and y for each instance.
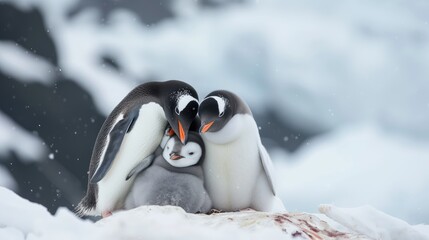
(214, 211)
(247, 210)
(106, 214)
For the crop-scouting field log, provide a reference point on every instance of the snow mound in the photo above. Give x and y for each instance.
(233, 225)
(21, 219)
(373, 223)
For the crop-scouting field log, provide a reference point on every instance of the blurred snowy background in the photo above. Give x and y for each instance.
(340, 89)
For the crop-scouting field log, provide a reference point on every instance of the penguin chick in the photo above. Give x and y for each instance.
(175, 178)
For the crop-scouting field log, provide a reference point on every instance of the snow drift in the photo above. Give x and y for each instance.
(21, 219)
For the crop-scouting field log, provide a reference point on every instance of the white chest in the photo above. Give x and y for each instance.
(231, 169)
(137, 144)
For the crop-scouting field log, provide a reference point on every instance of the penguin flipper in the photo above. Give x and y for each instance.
(116, 136)
(267, 165)
(141, 166)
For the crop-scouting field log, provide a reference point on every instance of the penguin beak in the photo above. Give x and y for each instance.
(175, 156)
(182, 134)
(206, 127)
(170, 132)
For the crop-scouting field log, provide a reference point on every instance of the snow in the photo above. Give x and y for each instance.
(328, 65)
(354, 166)
(21, 219)
(23, 65)
(373, 223)
(14, 138)
(6, 179)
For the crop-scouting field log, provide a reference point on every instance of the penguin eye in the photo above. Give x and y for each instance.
(221, 114)
(191, 153)
(177, 110)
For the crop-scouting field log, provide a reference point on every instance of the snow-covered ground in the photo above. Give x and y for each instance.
(21, 219)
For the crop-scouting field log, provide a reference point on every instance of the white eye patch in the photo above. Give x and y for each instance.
(183, 101)
(191, 153)
(221, 103)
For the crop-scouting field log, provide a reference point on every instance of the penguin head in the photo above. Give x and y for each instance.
(218, 108)
(180, 155)
(180, 107)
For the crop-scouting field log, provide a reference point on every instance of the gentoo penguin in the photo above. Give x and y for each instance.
(237, 168)
(175, 178)
(129, 137)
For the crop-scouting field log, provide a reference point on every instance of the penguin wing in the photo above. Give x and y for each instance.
(268, 166)
(116, 136)
(141, 166)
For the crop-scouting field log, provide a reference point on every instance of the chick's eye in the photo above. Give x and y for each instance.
(191, 153)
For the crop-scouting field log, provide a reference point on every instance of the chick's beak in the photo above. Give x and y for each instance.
(175, 156)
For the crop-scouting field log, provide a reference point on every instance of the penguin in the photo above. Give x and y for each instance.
(175, 178)
(129, 137)
(237, 168)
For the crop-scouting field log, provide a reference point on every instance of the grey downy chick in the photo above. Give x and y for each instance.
(175, 178)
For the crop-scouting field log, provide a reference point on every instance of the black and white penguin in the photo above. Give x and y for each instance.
(129, 137)
(175, 178)
(237, 168)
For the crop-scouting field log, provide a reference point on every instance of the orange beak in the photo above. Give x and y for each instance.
(182, 134)
(207, 126)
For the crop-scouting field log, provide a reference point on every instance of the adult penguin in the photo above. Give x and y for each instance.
(237, 168)
(129, 137)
